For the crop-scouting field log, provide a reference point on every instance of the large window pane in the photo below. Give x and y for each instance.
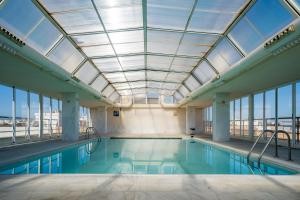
(6, 96)
(55, 117)
(264, 19)
(21, 113)
(34, 114)
(270, 109)
(258, 113)
(231, 117)
(285, 110)
(47, 116)
(237, 116)
(244, 116)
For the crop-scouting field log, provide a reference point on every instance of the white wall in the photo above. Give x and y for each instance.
(164, 121)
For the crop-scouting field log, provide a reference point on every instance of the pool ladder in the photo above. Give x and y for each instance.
(274, 135)
(89, 131)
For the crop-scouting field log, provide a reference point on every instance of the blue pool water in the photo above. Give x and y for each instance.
(141, 156)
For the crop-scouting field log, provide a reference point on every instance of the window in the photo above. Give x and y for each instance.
(34, 114)
(237, 117)
(245, 116)
(168, 99)
(258, 114)
(231, 117)
(21, 113)
(6, 96)
(56, 115)
(285, 110)
(204, 72)
(207, 123)
(264, 19)
(270, 109)
(46, 116)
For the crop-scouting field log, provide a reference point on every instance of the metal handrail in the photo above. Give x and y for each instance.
(89, 130)
(276, 147)
(256, 141)
(90, 151)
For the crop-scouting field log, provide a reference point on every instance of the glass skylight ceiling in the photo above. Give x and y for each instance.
(150, 48)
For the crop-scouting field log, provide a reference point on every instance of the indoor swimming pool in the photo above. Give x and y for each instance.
(141, 156)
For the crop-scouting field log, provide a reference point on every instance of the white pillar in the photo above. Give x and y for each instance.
(99, 119)
(70, 117)
(190, 119)
(221, 117)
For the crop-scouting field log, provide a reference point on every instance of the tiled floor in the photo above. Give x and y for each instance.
(152, 187)
(80, 186)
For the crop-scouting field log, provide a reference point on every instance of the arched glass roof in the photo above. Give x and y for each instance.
(150, 47)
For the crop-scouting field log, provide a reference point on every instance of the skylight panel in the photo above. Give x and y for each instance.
(132, 62)
(63, 5)
(139, 91)
(44, 36)
(129, 48)
(163, 41)
(128, 42)
(183, 64)
(196, 44)
(138, 84)
(204, 72)
(183, 90)
(168, 14)
(176, 77)
(107, 64)
(14, 16)
(91, 39)
(167, 92)
(37, 31)
(99, 84)
(121, 14)
(264, 19)
(159, 62)
(192, 83)
(114, 97)
(156, 75)
(170, 86)
(124, 92)
(154, 84)
(295, 3)
(135, 75)
(66, 55)
(101, 50)
(108, 91)
(224, 56)
(79, 21)
(214, 16)
(86, 73)
(178, 96)
(115, 77)
(121, 86)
